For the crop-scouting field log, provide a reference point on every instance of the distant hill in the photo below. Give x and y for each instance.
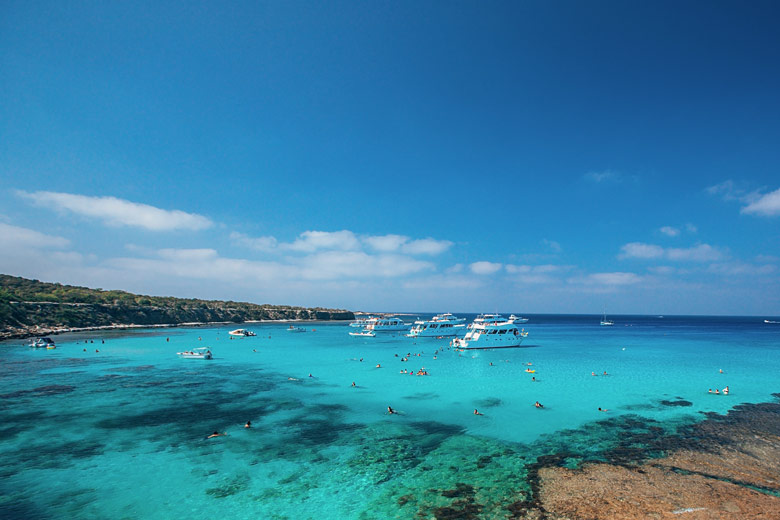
(30, 307)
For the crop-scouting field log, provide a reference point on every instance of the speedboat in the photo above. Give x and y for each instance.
(292, 328)
(43, 343)
(438, 326)
(770, 321)
(241, 333)
(364, 333)
(517, 319)
(495, 333)
(388, 324)
(196, 353)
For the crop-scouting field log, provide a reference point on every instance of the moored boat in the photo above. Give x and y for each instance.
(364, 333)
(388, 324)
(196, 353)
(293, 328)
(491, 331)
(517, 319)
(439, 326)
(241, 333)
(43, 343)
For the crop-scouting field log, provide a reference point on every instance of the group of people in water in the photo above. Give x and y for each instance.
(725, 391)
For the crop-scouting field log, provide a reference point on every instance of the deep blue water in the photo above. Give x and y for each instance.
(121, 432)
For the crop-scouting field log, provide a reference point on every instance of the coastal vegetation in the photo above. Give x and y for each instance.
(30, 307)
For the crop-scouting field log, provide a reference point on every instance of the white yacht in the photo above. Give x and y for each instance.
(517, 319)
(387, 324)
(362, 323)
(43, 343)
(241, 333)
(492, 331)
(438, 326)
(605, 322)
(196, 353)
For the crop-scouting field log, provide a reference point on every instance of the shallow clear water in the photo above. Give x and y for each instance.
(121, 432)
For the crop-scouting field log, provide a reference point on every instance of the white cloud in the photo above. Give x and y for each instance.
(552, 244)
(697, 253)
(603, 176)
(119, 212)
(457, 268)
(357, 264)
(670, 231)
(690, 228)
(310, 241)
(640, 250)
(609, 279)
(766, 205)
(386, 243)
(426, 246)
(259, 243)
(741, 268)
(484, 267)
(12, 237)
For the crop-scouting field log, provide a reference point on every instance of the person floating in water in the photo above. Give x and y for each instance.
(538, 404)
(216, 434)
(603, 409)
(476, 412)
(726, 391)
(248, 424)
(353, 384)
(533, 379)
(390, 410)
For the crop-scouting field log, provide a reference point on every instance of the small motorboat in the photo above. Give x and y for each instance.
(364, 333)
(517, 319)
(292, 328)
(43, 343)
(196, 353)
(241, 333)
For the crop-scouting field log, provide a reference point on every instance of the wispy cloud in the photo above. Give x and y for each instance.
(386, 243)
(670, 231)
(267, 243)
(119, 212)
(12, 237)
(426, 246)
(603, 176)
(697, 253)
(484, 267)
(553, 245)
(767, 205)
(755, 202)
(607, 279)
(310, 241)
(741, 269)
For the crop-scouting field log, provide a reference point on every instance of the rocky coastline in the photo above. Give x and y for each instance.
(726, 467)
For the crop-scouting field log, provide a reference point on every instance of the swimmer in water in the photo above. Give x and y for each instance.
(603, 410)
(215, 434)
(390, 410)
(353, 384)
(248, 424)
(477, 412)
(538, 404)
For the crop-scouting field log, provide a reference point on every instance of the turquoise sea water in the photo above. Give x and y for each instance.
(120, 433)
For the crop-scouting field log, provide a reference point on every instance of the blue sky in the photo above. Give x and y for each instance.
(460, 156)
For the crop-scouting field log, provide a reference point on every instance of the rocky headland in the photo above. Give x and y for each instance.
(33, 308)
